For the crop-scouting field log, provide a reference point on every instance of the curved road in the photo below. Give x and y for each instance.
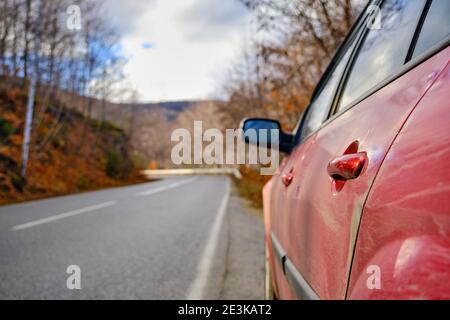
(163, 240)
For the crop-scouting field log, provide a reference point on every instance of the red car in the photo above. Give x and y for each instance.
(360, 207)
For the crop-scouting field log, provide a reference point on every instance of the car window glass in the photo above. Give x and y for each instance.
(435, 28)
(384, 48)
(319, 107)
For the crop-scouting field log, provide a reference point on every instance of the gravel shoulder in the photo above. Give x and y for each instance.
(244, 258)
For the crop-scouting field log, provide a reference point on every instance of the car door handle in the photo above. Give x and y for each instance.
(347, 167)
(287, 179)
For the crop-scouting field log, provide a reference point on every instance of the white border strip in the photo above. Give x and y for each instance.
(62, 216)
(164, 188)
(197, 288)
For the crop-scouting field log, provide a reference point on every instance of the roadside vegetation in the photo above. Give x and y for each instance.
(65, 157)
(250, 186)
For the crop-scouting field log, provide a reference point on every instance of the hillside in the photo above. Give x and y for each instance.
(120, 114)
(148, 125)
(68, 153)
(171, 108)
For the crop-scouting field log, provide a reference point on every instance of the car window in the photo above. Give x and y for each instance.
(318, 110)
(435, 28)
(384, 49)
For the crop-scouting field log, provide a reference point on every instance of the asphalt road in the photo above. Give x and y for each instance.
(170, 239)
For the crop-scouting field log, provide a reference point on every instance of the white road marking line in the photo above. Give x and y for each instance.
(197, 288)
(63, 215)
(164, 188)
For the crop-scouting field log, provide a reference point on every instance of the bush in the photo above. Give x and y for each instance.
(18, 182)
(5, 129)
(138, 161)
(113, 164)
(83, 183)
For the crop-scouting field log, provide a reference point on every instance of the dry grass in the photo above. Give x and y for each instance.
(251, 185)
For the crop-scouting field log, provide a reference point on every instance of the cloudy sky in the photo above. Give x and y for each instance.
(179, 49)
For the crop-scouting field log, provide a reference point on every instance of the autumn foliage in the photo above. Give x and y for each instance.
(65, 157)
(293, 44)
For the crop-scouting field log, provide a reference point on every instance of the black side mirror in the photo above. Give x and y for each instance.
(268, 133)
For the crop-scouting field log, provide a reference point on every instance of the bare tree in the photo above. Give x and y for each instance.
(31, 94)
(37, 48)
(296, 39)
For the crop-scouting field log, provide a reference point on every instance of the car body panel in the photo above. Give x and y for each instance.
(279, 281)
(405, 229)
(316, 219)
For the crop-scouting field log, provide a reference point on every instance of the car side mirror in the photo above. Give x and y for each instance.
(268, 133)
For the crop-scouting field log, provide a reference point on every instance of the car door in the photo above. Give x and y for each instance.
(314, 116)
(405, 228)
(335, 166)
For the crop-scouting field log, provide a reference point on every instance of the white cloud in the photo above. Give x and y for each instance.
(192, 41)
(212, 19)
(124, 15)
